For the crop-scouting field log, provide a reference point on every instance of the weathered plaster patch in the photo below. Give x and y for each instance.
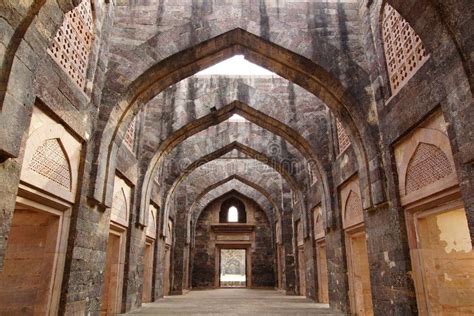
(455, 236)
(344, 161)
(390, 263)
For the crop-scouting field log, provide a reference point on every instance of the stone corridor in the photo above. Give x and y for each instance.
(234, 302)
(307, 152)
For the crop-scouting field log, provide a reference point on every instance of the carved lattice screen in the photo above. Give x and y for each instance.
(72, 44)
(50, 161)
(353, 204)
(129, 138)
(404, 50)
(343, 140)
(428, 165)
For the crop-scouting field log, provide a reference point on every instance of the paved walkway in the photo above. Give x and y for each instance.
(234, 302)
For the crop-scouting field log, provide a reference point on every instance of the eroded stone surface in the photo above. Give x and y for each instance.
(288, 158)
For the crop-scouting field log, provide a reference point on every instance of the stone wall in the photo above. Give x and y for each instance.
(261, 248)
(264, 254)
(330, 61)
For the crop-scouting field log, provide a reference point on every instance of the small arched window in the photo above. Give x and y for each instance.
(232, 211)
(404, 51)
(233, 215)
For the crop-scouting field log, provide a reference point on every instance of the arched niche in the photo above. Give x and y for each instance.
(41, 218)
(227, 208)
(351, 204)
(121, 203)
(437, 226)
(52, 157)
(238, 41)
(425, 163)
(152, 221)
(318, 223)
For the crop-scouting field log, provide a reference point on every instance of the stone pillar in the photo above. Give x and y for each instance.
(87, 247)
(290, 264)
(9, 181)
(337, 270)
(134, 266)
(311, 285)
(159, 268)
(389, 262)
(179, 246)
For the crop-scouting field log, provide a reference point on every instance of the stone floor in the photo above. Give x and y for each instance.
(234, 302)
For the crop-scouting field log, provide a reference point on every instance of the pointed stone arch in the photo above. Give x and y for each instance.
(262, 141)
(224, 190)
(218, 153)
(290, 65)
(254, 116)
(240, 179)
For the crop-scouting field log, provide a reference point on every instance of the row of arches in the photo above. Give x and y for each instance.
(122, 106)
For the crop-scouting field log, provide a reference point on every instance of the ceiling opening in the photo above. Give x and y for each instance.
(236, 65)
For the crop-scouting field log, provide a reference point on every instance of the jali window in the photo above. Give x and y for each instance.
(343, 141)
(72, 44)
(404, 51)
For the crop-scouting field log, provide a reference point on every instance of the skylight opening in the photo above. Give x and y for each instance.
(233, 215)
(237, 66)
(237, 118)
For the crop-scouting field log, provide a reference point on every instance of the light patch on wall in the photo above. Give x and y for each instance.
(233, 215)
(372, 118)
(390, 263)
(454, 231)
(344, 160)
(447, 277)
(236, 65)
(237, 118)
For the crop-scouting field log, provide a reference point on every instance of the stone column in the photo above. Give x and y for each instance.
(290, 264)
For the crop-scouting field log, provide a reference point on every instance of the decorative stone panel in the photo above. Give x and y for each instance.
(428, 165)
(278, 232)
(169, 232)
(52, 156)
(404, 51)
(49, 160)
(343, 141)
(299, 233)
(318, 223)
(72, 44)
(152, 221)
(424, 160)
(121, 202)
(129, 138)
(352, 210)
